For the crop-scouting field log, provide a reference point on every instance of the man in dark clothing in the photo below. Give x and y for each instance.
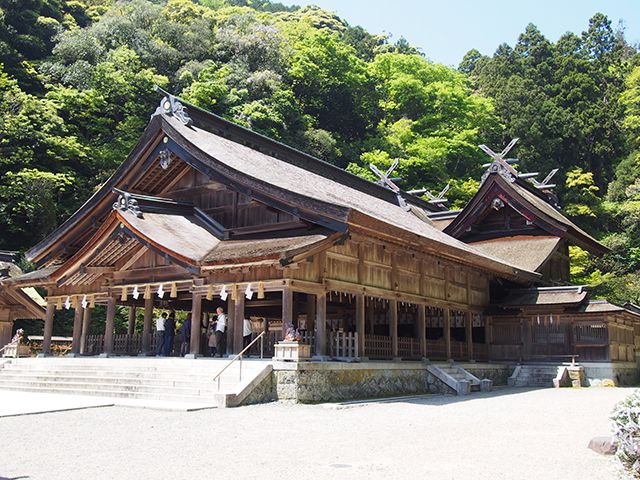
(186, 336)
(169, 334)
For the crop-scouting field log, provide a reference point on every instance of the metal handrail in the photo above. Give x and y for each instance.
(239, 356)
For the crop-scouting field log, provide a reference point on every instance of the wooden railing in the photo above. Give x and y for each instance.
(409, 348)
(343, 344)
(377, 346)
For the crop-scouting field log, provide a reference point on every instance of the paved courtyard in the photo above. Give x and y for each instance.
(507, 434)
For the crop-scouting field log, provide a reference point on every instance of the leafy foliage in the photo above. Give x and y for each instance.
(76, 93)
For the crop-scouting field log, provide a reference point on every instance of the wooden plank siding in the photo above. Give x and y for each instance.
(363, 262)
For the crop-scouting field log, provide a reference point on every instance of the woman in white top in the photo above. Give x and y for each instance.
(246, 333)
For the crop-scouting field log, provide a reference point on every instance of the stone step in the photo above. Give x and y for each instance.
(165, 382)
(108, 387)
(208, 400)
(233, 370)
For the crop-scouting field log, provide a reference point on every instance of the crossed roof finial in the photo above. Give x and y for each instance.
(385, 180)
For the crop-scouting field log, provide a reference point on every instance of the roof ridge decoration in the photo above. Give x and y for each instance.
(126, 202)
(171, 106)
(384, 180)
(500, 165)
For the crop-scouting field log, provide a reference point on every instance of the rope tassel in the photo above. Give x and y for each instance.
(123, 296)
(147, 292)
(174, 290)
(210, 293)
(260, 290)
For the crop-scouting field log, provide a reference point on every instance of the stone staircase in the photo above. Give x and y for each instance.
(151, 379)
(459, 379)
(541, 375)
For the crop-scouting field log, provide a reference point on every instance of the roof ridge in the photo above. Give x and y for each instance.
(338, 174)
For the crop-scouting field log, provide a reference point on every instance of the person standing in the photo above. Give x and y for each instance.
(169, 334)
(221, 329)
(185, 331)
(212, 338)
(160, 321)
(246, 333)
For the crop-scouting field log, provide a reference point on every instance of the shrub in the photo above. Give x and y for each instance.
(626, 432)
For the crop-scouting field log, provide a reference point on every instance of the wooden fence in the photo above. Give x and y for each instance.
(377, 347)
(343, 344)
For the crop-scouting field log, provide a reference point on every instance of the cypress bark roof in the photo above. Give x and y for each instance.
(528, 252)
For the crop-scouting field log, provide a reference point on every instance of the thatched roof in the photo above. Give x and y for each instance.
(528, 252)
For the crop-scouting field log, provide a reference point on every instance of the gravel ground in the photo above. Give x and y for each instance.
(507, 434)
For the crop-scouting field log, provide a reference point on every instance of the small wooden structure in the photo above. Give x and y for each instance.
(15, 303)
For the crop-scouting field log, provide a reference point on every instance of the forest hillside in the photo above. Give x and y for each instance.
(76, 92)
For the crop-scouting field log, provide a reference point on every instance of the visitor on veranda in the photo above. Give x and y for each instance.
(246, 333)
(212, 337)
(169, 334)
(185, 331)
(160, 323)
(221, 332)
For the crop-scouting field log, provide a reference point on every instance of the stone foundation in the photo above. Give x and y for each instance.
(315, 382)
(623, 374)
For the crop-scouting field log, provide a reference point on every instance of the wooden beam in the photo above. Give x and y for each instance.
(108, 326)
(447, 333)
(231, 324)
(238, 319)
(147, 326)
(48, 328)
(321, 324)
(134, 258)
(422, 329)
(360, 323)
(287, 309)
(196, 321)
(393, 325)
(468, 325)
(131, 324)
(86, 327)
(99, 270)
(77, 331)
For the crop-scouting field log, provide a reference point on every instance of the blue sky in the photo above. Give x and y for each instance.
(447, 29)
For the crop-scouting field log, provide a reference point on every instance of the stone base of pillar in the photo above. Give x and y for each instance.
(44, 355)
(106, 355)
(192, 356)
(73, 355)
(472, 360)
(425, 360)
(148, 354)
(396, 359)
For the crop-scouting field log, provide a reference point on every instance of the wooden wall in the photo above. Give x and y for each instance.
(394, 269)
(226, 206)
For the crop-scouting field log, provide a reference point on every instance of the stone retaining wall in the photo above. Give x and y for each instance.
(623, 374)
(333, 381)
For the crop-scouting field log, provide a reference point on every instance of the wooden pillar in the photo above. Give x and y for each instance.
(528, 334)
(321, 324)
(108, 327)
(393, 321)
(360, 323)
(447, 333)
(231, 324)
(287, 309)
(48, 329)
(131, 325)
(422, 329)
(311, 312)
(468, 334)
(86, 326)
(371, 316)
(77, 331)
(147, 326)
(196, 322)
(238, 318)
